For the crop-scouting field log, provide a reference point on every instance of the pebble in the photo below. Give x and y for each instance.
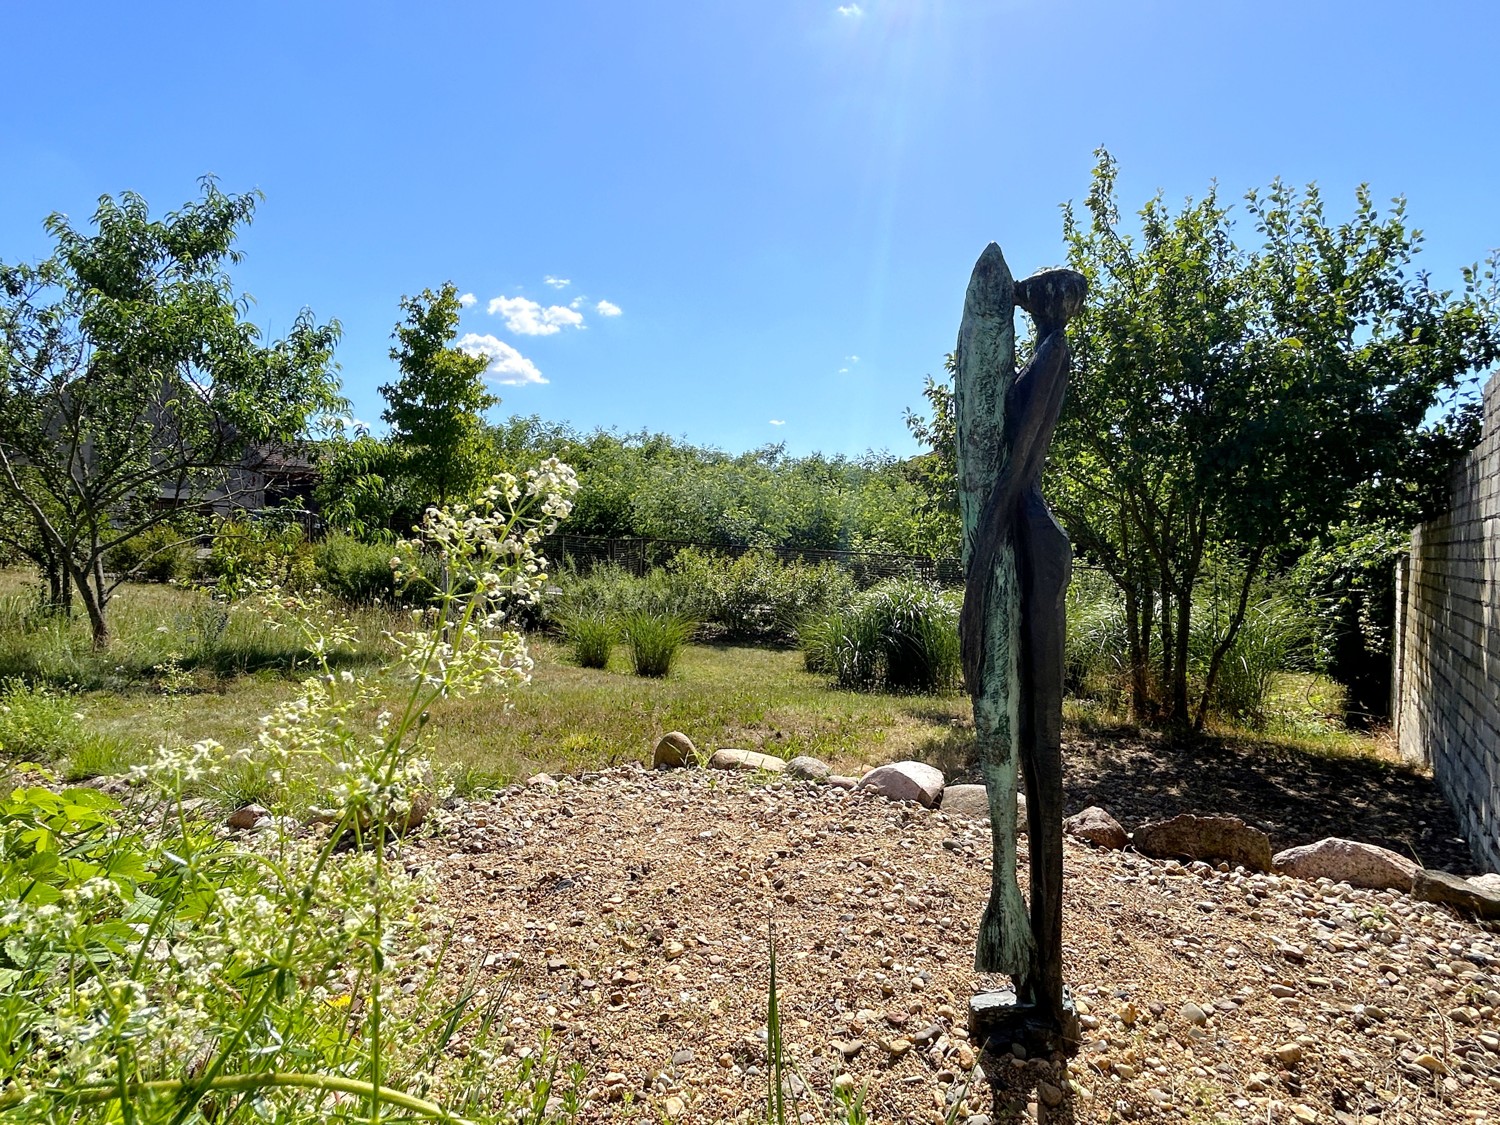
(1193, 1014)
(1289, 1053)
(1430, 1063)
(247, 817)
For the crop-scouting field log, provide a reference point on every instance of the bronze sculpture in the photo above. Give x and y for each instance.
(1017, 565)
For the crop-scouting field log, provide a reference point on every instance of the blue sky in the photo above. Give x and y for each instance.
(761, 192)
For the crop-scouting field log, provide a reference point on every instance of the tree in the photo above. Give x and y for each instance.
(436, 407)
(1229, 405)
(935, 472)
(131, 387)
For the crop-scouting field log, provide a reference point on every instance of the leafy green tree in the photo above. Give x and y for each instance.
(361, 488)
(656, 487)
(436, 408)
(1230, 404)
(131, 387)
(935, 473)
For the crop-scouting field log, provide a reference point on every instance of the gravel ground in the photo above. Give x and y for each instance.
(628, 913)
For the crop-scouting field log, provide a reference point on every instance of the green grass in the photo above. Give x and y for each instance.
(654, 641)
(161, 636)
(569, 719)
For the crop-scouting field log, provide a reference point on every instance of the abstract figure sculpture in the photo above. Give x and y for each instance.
(1017, 563)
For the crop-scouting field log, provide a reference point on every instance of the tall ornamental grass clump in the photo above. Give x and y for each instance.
(590, 636)
(175, 975)
(1274, 637)
(1097, 647)
(614, 592)
(655, 640)
(901, 635)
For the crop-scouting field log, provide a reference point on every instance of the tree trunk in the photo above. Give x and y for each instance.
(1168, 648)
(94, 595)
(1252, 567)
(1178, 717)
(1137, 633)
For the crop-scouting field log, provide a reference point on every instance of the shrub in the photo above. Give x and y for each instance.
(357, 572)
(756, 597)
(590, 635)
(902, 635)
(161, 554)
(246, 550)
(654, 640)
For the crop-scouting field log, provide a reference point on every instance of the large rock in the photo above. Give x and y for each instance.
(974, 801)
(808, 769)
(1225, 838)
(729, 759)
(906, 781)
(1347, 861)
(1097, 827)
(1487, 882)
(1439, 886)
(673, 751)
(966, 800)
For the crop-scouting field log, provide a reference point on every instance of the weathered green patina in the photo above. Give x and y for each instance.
(1017, 562)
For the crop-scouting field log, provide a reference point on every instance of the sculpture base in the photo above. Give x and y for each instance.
(998, 1021)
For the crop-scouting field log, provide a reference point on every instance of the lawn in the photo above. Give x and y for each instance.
(182, 669)
(571, 719)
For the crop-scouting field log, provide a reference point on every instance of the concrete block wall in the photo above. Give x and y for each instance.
(1447, 648)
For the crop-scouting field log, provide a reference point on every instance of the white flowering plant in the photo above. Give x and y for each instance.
(156, 969)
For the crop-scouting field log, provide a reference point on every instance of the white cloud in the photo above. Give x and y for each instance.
(843, 371)
(778, 421)
(851, 359)
(525, 317)
(607, 308)
(506, 364)
(850, 10)
(557, 282)
(467, 299)
(576, 303)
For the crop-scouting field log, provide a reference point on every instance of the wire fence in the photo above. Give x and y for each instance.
(638, 556)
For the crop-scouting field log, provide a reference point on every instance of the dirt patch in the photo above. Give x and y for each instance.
(627, 915)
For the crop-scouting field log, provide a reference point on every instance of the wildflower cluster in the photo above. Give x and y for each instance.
(177, 974)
